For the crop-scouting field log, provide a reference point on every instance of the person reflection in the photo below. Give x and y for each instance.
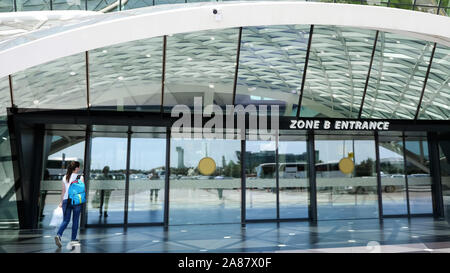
(153, 192)
(105, 193)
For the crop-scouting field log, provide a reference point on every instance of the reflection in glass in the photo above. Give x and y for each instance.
(8, 208)
(59, 84)
(260, 171)
(393, 179)
(147, 174)
(107, 179)
(6, 5)
(341, 195)
(32, 5)
(418, 171)
(444, 156)
(69, 4)
(60, 148)
(197, 198)
(293, 179)
(5, 99)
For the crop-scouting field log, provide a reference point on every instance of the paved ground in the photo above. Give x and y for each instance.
(392, 235)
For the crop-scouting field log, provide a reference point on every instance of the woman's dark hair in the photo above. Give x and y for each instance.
(72, 166)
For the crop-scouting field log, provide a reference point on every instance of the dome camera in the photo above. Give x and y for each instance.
(217, 14)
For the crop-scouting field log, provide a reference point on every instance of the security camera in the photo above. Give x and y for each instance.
(217, 14)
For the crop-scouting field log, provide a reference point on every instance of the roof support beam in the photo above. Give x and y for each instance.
(368, 74)
(425, 82)
(88, 91)
(311, 30)
(236, 71)
(11, 91)
(163, 76)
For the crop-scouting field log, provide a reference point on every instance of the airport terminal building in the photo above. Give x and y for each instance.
(351, 99)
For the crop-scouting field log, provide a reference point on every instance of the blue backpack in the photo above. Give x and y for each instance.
(77, 192)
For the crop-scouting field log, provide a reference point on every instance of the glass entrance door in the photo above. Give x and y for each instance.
(208, 197)
(147, 175)
(345, 194)
(106, 197)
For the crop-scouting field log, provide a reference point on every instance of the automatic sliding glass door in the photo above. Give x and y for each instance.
(107, 175)
(147, 175)
(349, 192)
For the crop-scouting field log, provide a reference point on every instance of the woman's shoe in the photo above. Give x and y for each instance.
(105, 214)
(58, 241)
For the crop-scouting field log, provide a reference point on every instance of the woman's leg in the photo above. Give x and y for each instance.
(75, 221)
(67, 210)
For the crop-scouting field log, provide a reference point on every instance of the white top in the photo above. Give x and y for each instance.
(67, 184)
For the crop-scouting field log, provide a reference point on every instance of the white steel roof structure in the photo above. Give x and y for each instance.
(334, 60)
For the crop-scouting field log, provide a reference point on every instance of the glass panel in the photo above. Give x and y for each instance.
(29, 5)
(147, 174)
(397, 76)
(209, 75)
(60, 148)
(436, 99)
(69, 4)
(401, 4)
(127, 76)
(107, 178)
(6, 5)
(444, 156)
(293, 178)
(341, 195)
(5, 98)
(260, 170)
(418, 171)
(163, 2)
(197, 198)
(59, 84)
(271, 64)
(393, 179)
(134, 4)
(8, 206)
(337, 71)
(99, 4)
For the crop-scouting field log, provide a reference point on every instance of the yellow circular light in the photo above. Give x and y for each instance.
(346, 165)
(207, 166)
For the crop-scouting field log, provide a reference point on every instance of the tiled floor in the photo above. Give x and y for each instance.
(392, 235)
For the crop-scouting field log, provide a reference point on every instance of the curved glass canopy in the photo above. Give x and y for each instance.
(441, 7)
(270, 63)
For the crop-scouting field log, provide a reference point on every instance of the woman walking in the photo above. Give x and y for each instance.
(68, 208)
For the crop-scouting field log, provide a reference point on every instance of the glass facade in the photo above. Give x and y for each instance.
(127, 180)
(393, 179)
(106, 197)
(196, 197)
(61, 146)
(351, 194)
(127, 164)
(441, 7)
(147, 176)
(418, 174)
(444, 160)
